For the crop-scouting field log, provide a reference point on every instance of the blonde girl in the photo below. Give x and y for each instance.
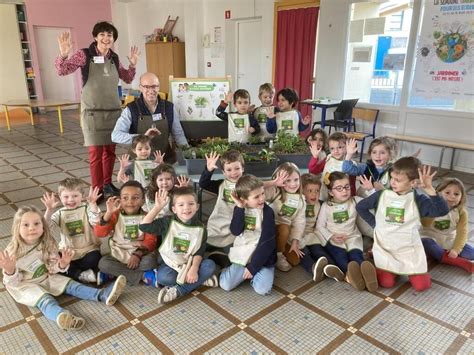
(444, 238)
(337, 225)
(284, 195)
(31, 263)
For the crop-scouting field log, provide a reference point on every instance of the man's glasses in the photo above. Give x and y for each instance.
(342, 188)
(150, 87)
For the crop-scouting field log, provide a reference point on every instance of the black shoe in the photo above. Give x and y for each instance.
(220, 259)
(110, 190)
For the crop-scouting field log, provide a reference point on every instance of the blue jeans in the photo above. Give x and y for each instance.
(167, 276)
(435, 251)
(49, 306)
(311, 254)
(261, 282)
(342, 257)
(88, 261)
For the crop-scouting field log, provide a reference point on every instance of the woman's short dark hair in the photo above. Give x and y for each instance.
(104, 26)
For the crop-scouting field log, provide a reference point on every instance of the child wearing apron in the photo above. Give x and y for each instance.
(266, 93)
(253, 253)
(318, 145)
(397, 246)
(31, 264)
(131, 251)
(183, 246)
(445, 238)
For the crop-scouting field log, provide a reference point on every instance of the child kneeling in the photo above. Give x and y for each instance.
(253, 254)
(184, 243)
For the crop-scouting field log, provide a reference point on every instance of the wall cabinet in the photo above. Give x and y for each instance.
(26, 50)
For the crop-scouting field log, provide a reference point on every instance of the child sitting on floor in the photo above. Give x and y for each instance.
(317, 142)
(31, 263)
(75, 221)
(253, 254)
(182, 249)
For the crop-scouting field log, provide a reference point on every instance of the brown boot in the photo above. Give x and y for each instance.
(370, 276)
(354, 276)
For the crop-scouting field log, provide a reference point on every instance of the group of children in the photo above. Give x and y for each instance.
(315, 219)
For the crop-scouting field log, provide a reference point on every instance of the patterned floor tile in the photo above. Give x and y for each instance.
(468, 348)
(407, 332)
(357, 345)
(15, 153)
(20, 340)
(349, 306)
(18, 184)
(293, 328)
(22, 159)
(34, 202)
(73, 165)
(99, 319)
(49, 178)
(7, 169)
(240, 343)
(6, 227)
(140, 299)
(453, 276)
(24, 194)
(61, 160)
(8, 309)
(6, 211)
(128, 341)
(293, 279)
(242, 302)
(436, 300)
(31, 164)
(14, 176)
(188, 325)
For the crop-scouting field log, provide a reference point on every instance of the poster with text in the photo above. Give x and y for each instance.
(444, 60)
(198, 99)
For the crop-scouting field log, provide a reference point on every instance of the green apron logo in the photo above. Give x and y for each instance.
(340, 217)
(75, 228)
(250, 223)
(442, 224)
(395, 215)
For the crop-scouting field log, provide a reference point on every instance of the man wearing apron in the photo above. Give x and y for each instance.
(152, 116)
(397, 246)
(100, 104)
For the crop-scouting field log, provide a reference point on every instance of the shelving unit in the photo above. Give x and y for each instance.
(26, 50)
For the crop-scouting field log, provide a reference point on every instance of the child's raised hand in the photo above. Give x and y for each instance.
(94, 194)
(7, 262)
(315, 151)
(426, 179)
(112, 204)
(66, 257)
(237, 200)
(229, 97)
(49, 201)
(159, 158)
(247, 274)
(280, 179)
(123, 178)
(338, 238)
(211, 161)
(366, 183)
(351, 147)
(161, 198)
(124, 160)
(307, 120)
(270, 112)
(378, 186)
(182, 180)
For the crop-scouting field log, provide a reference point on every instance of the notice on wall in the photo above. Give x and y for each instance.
(197, 99)
(374, 26)
(356, 31)
(362, 54)
(444, 59)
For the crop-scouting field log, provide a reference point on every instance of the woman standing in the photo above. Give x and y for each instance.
(100, 103)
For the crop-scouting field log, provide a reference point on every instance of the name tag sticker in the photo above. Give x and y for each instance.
(156, 116)
(98, 59)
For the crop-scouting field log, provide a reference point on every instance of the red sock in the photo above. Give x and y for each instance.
(386, 279)
(459, 262)
(420, 282)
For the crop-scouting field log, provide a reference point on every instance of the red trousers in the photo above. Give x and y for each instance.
(418, 282)
(101, 164)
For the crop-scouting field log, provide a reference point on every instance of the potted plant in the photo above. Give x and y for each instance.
(291, 148)
(261, 164)
(195, 155)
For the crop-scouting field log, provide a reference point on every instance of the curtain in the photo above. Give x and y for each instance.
(296, 42)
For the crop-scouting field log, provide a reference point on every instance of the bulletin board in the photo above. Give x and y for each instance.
(196, 99)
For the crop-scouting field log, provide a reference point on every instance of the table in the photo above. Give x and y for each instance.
(58, 103)
(324, 105)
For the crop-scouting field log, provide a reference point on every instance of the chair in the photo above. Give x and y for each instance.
(364, 114)
(342, 116)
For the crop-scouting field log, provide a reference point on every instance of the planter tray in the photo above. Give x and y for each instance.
(301, 160)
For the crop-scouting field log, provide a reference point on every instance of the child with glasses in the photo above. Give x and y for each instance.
(337, 225)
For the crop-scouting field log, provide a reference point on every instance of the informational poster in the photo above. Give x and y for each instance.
(356, 31)
(444, 59)
(197, 99)
(374, 26)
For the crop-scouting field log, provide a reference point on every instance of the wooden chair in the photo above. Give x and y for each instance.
(363, 114)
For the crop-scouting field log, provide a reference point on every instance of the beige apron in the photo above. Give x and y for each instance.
(179, 245)
(127, 237)
(311, 235)
(285, 211)
(76, 232)
(260, 115)
(246, 243)
(332, 164)
(288, 122)
(218, 224)
(142, 170)
(238, 127)
(100, 103)
(342, 219)
(443, 229)
(36, 281)
(397, 243)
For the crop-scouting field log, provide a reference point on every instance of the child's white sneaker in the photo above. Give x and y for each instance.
(318, 269)
(282, 264)
(334, 272)
(66, 320)
(87, 276)
(211, 282)
(111, 293)
(167, 294)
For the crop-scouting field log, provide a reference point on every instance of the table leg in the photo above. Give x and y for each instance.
(7, 117)
(323, 117)
(60, 117)
(441, 157)
(31, 116)
(452, 159)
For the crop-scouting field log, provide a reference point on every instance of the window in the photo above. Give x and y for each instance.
(378, 39)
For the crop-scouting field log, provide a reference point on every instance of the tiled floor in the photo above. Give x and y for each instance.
(298, 317)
